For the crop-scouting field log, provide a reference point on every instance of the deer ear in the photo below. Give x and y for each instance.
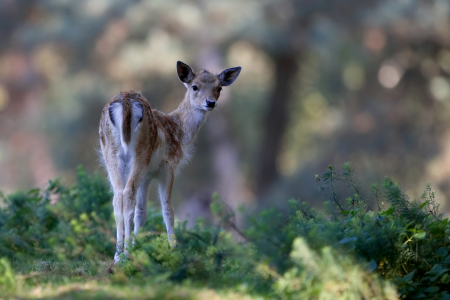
(228, 76)
(184, 72)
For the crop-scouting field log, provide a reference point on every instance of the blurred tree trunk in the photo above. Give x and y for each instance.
(274, 123)
(230, 182)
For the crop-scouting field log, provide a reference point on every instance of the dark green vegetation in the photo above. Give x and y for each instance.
(377, 245)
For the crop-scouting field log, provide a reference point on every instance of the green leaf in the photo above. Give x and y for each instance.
(349, 239)
(437, 270)
(356, 211)
(372, 265)
(388, 212)
(431, 289)
(346, 166)
(445, 279)
(442, 252)
(34, 191)
(420, 235)
(423, 204)
(446, 260)
(409, 276)
(445, 297)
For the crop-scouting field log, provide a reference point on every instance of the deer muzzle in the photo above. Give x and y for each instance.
(210, 103)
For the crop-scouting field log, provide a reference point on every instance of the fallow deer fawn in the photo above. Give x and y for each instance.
(140, 144)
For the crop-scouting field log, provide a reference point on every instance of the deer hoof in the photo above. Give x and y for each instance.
(172, 241)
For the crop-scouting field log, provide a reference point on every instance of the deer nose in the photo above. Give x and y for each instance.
(210, 103)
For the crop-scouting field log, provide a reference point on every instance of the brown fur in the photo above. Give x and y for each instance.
(155, 146)
(173, 134)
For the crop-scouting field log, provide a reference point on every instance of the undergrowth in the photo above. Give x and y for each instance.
(374, 244)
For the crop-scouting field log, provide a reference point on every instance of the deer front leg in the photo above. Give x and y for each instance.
(165, 194)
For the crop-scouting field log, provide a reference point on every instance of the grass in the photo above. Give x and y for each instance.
(354, 249)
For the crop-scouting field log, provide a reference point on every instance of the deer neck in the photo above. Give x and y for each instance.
(190, 120)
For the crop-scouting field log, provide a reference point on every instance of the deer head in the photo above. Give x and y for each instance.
(203, 88)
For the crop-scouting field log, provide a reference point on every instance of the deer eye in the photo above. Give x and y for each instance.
(219, 89)
(195, 88)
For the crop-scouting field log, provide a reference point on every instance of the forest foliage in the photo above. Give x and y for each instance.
(374, 244)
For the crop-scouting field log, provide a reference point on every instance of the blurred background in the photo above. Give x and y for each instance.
(323, 82)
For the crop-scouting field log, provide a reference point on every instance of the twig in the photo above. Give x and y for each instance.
(332, 189)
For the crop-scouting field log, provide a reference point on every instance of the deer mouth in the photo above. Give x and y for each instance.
(208, 108)
(209, 104)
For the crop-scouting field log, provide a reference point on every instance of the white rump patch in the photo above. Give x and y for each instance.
(116, 113)
(137, 112)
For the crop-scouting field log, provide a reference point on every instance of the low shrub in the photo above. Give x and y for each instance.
(355, 249)
(79, 222)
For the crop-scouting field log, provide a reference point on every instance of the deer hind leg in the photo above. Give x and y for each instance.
(116, 180)
(140, 212)
(166, 178)
(135, 180)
